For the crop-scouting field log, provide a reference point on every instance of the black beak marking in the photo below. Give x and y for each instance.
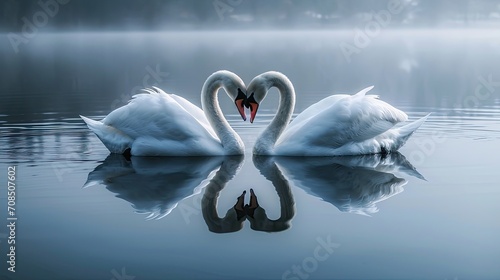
(249, 100)
(242, 95)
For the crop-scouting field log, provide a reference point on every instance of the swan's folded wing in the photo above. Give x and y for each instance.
(157, 115)
(313, 110)
(350, 119)
(194, 110)
(296, 126)
(322, 105)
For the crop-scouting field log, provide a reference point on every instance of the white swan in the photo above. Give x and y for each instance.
(337, 125)
(155, 123)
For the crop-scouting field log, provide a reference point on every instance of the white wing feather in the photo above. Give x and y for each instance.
(157, 123)
(339, 120)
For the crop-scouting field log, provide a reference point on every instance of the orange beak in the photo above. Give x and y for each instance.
(240, 101)
(240, 105)
(253, 110)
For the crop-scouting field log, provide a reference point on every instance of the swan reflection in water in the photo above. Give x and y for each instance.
(154, 185)
(254, 212)
(353, 184)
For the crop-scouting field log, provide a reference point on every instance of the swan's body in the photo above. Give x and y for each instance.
(337, 125)
(155, 123)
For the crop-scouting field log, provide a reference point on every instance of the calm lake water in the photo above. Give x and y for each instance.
(430, 212)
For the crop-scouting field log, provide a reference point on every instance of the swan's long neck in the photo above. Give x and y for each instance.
(268, 167)
(230, 140)
(229, 223)
(267, 140)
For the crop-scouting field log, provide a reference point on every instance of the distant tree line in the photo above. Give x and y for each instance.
(245, 14)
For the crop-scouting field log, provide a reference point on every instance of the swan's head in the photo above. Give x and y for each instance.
(234, 87)
(258, 87)
(256, 92)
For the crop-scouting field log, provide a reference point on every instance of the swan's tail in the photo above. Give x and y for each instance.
(407, 130)
(402, 134)
(93, 125)
(115, 140)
